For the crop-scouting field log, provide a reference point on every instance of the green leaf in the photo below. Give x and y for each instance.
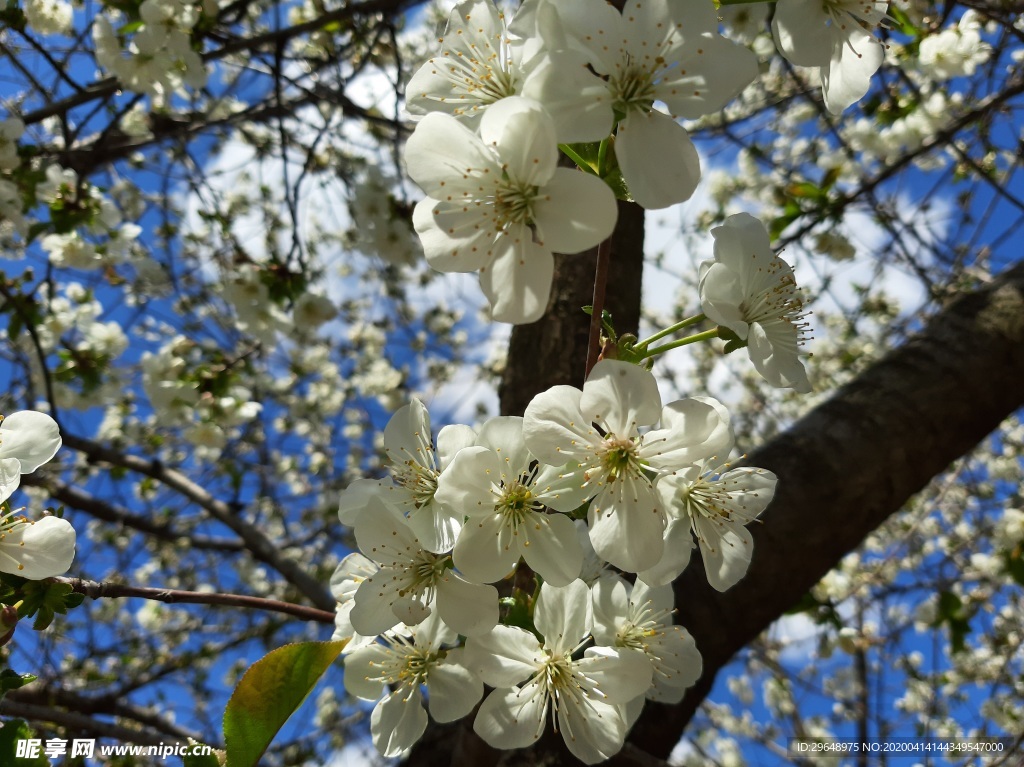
(12, 680)
(951, 611)
(13, 731)
(269, 693)
(1015, 564)
(45, 599)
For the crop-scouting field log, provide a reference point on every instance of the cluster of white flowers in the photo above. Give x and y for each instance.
(45, 547)
(500, 98)
(12, 219)
(49, 17)
(497, 506)
(160, 56)
(536, 555)
(956, 51)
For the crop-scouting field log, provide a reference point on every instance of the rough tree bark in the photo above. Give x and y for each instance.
(553, 350)
(842, 469)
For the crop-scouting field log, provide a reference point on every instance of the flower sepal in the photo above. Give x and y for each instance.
(732, 341)
(42, 599)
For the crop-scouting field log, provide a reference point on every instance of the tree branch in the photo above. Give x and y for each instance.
(851, 463)
(79, 722)
(99, 590)
(261, 547)
(108, 512)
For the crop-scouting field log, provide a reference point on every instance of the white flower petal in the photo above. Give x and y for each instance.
(10, 477)
(350, 572)
(36, 550)
(371, 612)
(362, 672)
(455, 238)
(593, 731)
(435, 526)
(598, 27)
(398, 721)
(708, 84)
(846, 79)
(549, 545)
(579, 103)
(511, 718)
(678, 547)
(691, 429)
(721, 293)
(801, 32)
(658, 160)
(467, 608)
(578, 211)
(611, 604)
(726, 548)
(774, 350)
(563, 488)
(626, 524)
(355, 498)
(563, 615)
(454, 690)
(485, 551)
(679, 665)
(31, 437)
(555, 429)
(407, 435)
(505, 656)
(383, 535)
(443, 156)
(517, 282)
(504, 435)
(431, 90)
(620, 396)
(621, 673)
(466, 484)
(450, 440)
(522, 134)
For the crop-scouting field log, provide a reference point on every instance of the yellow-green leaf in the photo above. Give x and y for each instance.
(269, 693)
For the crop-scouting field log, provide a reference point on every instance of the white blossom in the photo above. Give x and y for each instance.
(835, 36)
(48, 17)
(498, 485)
(481, 62)
(639, 617)
(411, 581)
(595, 434)
(38, 549)
(415, 468)
(751, 291)
(586, 694)
(350, 572)
(954, 52)
(717, 505)
(406, 664)
(497, 203)
(27, 440)
(657, 51)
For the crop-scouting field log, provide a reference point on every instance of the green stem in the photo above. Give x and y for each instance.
(670, 330)
(707, 335)
(602, 158)
(573, 155)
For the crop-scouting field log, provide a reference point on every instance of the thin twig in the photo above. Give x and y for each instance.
(604, 252)
(262, 547)
(101, 590)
